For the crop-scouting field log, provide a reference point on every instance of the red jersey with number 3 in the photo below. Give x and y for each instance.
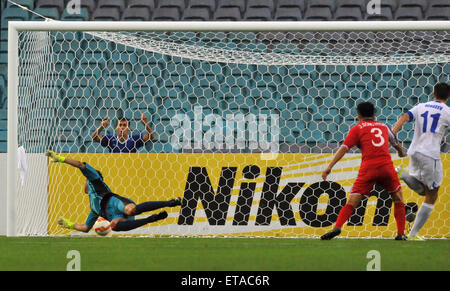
(373, 139)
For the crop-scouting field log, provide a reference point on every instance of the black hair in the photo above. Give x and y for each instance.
(441, 91)
(100, 173)
(122, 119)
(366, 109)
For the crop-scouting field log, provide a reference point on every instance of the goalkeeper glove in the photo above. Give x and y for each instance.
(64, 222)
(55, 157)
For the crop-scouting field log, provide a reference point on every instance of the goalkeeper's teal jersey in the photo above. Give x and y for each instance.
(97, 188)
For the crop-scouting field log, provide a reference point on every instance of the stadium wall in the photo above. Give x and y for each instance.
(288, 198)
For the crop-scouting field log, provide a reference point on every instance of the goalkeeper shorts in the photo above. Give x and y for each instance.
(115, 208)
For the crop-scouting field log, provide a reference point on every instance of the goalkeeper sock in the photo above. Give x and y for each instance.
(151, 205)
(399, 215)
(344, 215)
(125, 225)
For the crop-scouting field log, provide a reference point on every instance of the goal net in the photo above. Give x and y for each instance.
(244, 122)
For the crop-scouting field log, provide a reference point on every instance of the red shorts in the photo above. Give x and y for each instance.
(385, 176)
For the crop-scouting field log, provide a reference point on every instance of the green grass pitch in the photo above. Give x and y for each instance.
(220, 254)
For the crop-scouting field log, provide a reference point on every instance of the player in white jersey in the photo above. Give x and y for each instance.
(431, 120)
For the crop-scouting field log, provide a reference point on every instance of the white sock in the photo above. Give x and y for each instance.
(421, 217)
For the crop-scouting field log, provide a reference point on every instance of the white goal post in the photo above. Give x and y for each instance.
(15, 28)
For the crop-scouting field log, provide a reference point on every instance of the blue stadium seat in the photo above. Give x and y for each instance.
(2, 83)
(136, 14)
(391, 4)
(330, 4)
(318, 14)
(360, 4)
(327, 112)
(409, 13)
(92, 147)
(3, 136)
(166, 14)
(51, 4)
(286, 135)
(158, 147)
(143, 4)
(84, 15)
(445, 69)
(208, 4)
(313, 134)
(93, 57)
(257, 14)
(291, 4)
(48, 12)
(227, 14)
(27, 3)
(119, 4)
(90, 5)
(86, 76)
(297, 124)
(364, 69)
(438, 13)
(196, 14)
(348, 13)
(438, 3)
(422, 4)
(288, 14)
(124, 57)
(331, 81)
(240, 4)
(3, 123)
(385, 15)
(260, 4)
(111, 101)
(171, 91)
(13, 13)
(398, 72)
(3, 57)
(70, 123)
(115, 83)
(141, 103)
(180, 5)
(106, 14)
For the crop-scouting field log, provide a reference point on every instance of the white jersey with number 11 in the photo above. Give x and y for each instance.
(431, 120)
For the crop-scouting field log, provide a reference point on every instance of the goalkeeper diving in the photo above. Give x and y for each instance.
(120, 211)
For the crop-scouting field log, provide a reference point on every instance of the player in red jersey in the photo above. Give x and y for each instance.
(373, 139)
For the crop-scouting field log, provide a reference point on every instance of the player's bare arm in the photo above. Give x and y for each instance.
(400, 122)
(149, 134)
(96, 134)
(400, 150)
(339, 154)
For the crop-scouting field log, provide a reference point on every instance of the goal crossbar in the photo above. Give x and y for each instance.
(160, 26)
(229, 26)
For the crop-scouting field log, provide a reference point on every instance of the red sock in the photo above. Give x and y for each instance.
(399, 215)
(344, 215)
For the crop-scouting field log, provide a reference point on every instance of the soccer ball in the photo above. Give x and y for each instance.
(102, 226)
